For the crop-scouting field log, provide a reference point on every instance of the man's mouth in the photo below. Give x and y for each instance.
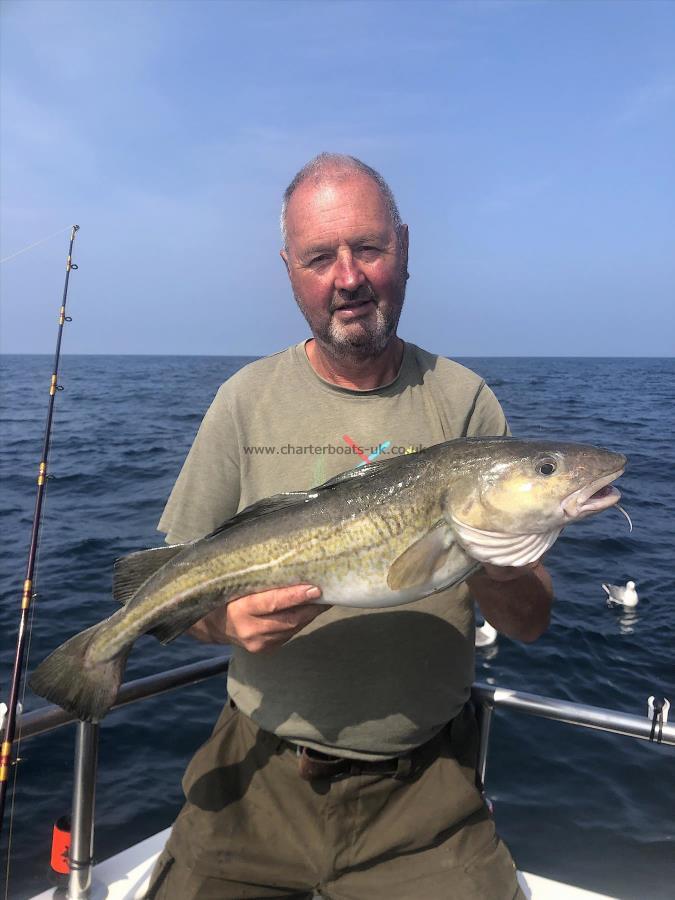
(354, 308)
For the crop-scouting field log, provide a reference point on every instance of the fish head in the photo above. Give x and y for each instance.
(511, 487)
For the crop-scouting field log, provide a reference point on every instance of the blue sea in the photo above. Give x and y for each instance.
(594, 809)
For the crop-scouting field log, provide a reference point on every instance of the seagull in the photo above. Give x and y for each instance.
(485, 635)
(625, 596)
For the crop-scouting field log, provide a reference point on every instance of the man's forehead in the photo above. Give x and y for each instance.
(315, 202)
(331, 185)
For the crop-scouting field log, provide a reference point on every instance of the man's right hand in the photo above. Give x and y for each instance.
(260, 622)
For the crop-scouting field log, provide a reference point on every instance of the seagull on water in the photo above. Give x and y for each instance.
(485, 635)
(625, 595)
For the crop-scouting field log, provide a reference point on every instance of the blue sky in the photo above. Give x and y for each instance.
(529, 144)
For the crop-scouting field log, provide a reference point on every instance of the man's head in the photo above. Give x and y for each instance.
(346, 252)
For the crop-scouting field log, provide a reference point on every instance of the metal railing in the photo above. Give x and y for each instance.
(49, 717)
(485, 697)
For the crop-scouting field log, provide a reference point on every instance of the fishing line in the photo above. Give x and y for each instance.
(36, 244)
(22, 705)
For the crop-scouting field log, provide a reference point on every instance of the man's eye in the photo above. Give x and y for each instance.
(317, 260)
(368, 251)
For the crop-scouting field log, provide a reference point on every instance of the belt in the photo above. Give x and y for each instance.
(315, 764)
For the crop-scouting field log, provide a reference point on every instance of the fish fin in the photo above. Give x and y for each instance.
(416, 565)
(183, 618)
(362, 472)
(261, 508)
(456, 566)
(130, 572)
(297, 498)
(86, 691)
(458, 578)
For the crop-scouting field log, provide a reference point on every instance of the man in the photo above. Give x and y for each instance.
(344, 761)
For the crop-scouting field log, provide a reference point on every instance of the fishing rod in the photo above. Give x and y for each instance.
(28, 595)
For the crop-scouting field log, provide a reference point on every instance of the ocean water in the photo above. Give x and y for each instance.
(593, 809)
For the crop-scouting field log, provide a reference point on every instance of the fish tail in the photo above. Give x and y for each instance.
(83, 688)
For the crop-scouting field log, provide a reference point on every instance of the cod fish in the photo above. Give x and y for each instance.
(380, 535)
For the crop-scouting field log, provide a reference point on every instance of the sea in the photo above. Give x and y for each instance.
(585, 807)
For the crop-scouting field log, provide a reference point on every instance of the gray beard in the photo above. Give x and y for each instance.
(370, 341)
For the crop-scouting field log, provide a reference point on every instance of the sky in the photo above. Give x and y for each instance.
(530, 146)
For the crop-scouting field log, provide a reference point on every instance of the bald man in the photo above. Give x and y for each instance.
(344, 762)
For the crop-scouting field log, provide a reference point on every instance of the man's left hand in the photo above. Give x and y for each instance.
(516, 600)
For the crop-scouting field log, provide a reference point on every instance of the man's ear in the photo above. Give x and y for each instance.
(404, 238)
(284, 255)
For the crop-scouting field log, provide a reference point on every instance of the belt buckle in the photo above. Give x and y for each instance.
(310, 767)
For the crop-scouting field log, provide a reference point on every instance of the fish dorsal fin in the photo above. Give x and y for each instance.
(262, 508)
(415, 567)
(361, 472)
(296, 498)
(503, 549)
(130, 572)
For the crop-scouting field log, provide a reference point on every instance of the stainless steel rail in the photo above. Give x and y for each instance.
(487, 698)
(49, 717)
(81, 856)
(595, 717)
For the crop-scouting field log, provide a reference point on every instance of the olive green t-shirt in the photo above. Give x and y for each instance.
(361, 683)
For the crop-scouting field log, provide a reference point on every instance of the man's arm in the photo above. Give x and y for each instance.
(516, 601)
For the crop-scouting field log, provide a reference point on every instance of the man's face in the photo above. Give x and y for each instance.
(346, 263)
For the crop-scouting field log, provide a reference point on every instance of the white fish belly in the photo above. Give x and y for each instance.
(354, 591)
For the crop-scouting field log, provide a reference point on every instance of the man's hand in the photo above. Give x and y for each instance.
(260, 622)
(516, 601)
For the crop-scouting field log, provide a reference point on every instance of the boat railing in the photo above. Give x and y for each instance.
(487, 698)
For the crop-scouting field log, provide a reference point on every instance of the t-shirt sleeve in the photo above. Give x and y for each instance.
(487, 418)
(207, 490)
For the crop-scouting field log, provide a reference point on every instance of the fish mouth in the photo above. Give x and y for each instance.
(596, 496)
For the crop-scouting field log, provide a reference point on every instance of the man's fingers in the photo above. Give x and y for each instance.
(268, 603)
(257, 634)
(287, 620)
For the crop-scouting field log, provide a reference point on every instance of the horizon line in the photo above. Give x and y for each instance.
(262, 355)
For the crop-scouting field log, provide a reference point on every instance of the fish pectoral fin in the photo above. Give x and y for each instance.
(130, 572)
(416, 566)
(179, 620)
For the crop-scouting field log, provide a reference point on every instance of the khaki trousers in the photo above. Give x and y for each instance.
(252, 828)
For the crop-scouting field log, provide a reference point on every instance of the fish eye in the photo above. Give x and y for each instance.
(546, 466)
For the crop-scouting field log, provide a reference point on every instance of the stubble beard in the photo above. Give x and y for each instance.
(362, 339)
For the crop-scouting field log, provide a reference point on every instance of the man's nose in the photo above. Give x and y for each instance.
(348, 275)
